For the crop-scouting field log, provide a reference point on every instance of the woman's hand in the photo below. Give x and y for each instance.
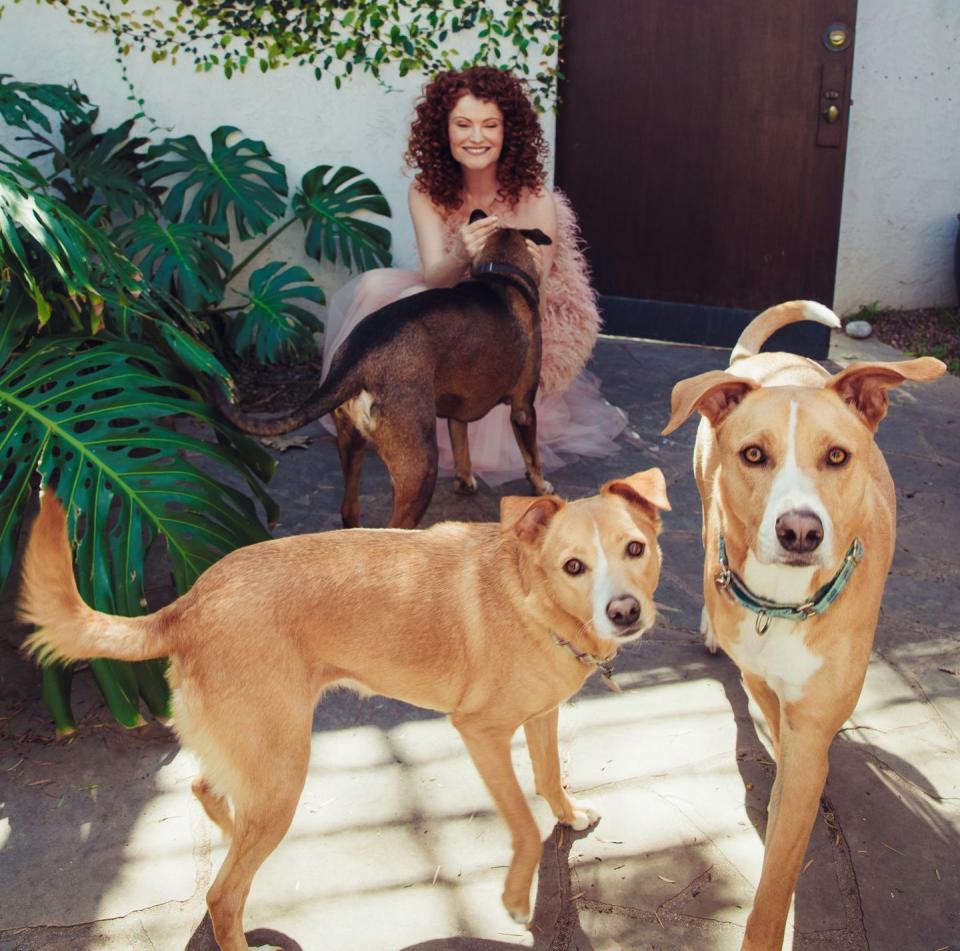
(474, 236)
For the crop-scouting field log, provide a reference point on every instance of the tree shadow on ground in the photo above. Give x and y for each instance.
(880, 872)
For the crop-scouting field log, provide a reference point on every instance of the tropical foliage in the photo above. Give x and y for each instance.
(115, 264)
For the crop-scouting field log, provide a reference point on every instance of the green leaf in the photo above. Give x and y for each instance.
(18, 315)
(334, 206)
(90, 417)
(19, 103)
(273, 326)
(240, 177)
(58, 258)
(101, 166)
(181, 259)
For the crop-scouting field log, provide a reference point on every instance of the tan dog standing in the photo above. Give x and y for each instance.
(495, 624)
(793, 483)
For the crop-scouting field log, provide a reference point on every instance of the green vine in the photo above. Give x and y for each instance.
(339, 37)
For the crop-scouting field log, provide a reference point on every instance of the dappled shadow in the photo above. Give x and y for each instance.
(880, 870)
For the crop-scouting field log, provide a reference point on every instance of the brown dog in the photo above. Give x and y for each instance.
(495, 624)
(452, 352)
(798, 526)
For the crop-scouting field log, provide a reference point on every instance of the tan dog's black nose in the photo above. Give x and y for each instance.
(799, 531)
(624, 611)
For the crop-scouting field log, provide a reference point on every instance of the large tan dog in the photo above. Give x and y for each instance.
(495, 624)
(799, 524)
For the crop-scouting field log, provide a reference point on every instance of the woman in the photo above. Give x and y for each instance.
(476, 142)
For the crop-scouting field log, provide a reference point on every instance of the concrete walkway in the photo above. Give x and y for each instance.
(395, 846)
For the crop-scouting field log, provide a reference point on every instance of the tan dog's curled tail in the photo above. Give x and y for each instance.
(764, 325)
(67, 628)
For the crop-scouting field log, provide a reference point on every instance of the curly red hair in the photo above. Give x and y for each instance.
(521, 163)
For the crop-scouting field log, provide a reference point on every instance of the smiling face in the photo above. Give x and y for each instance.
(475, 130)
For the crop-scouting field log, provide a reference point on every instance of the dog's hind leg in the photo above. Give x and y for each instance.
(464, 480)
(413, 483)
(406, 439)
(523, 418)
(542, 744)
(350, 446)
(489, 748)
(216, 806)
(265, 795)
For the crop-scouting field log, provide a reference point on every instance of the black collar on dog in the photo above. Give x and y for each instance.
(513, 275)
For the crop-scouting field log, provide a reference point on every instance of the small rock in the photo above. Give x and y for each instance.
(858, 329)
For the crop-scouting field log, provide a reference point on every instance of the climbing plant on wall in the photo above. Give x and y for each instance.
(339, 37)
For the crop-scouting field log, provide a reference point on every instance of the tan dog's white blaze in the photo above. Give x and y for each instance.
(788, 470)
(460, 618)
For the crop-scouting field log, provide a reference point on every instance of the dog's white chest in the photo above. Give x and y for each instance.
(780, 655)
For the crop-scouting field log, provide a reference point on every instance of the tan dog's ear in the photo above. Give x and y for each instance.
(526, 517)
(864, 385)
(714, 394)
(646, 489)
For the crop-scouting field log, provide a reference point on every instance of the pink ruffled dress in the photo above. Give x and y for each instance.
(573, 418)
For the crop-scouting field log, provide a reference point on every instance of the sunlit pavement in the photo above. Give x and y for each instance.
(395, 844)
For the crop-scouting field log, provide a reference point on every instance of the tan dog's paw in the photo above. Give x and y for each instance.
(540, 486)
(584, 816)
(466, 486)
(518, 910)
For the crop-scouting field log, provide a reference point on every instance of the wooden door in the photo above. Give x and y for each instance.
(702, 144)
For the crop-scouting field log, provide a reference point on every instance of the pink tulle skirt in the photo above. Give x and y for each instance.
(576, 421)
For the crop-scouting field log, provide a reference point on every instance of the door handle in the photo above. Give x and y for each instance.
(831, 114)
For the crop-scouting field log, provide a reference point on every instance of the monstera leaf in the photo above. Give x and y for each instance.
(57, 257)
(18, 103)
(88, 415)
(273, 325)
(183, 260)
(330, 205)
(22, 171)
(239, 176)
(102, 166)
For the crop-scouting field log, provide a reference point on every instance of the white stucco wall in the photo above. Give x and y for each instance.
(303, 122)
(902, 182)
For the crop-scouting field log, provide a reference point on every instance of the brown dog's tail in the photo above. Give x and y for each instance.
(337, 388)
(68, 628)
(764, 325)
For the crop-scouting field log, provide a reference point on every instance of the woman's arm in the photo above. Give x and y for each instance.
(442, 268)
(540, 211)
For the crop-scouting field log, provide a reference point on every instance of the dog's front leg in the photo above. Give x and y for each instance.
(544, 754)
(464, 481)
(523, 419)
(489, 748)
(794, 802)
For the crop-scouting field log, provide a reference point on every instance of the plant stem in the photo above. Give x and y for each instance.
(238, 268)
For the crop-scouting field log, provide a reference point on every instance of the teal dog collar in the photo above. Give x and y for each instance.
(730, 581)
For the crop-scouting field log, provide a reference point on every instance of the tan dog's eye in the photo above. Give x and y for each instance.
(753, 456)
(837, 456)
(635, 549)
(574, 567)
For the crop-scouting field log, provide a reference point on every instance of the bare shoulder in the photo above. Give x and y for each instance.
(420, 202)
(537, 209)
